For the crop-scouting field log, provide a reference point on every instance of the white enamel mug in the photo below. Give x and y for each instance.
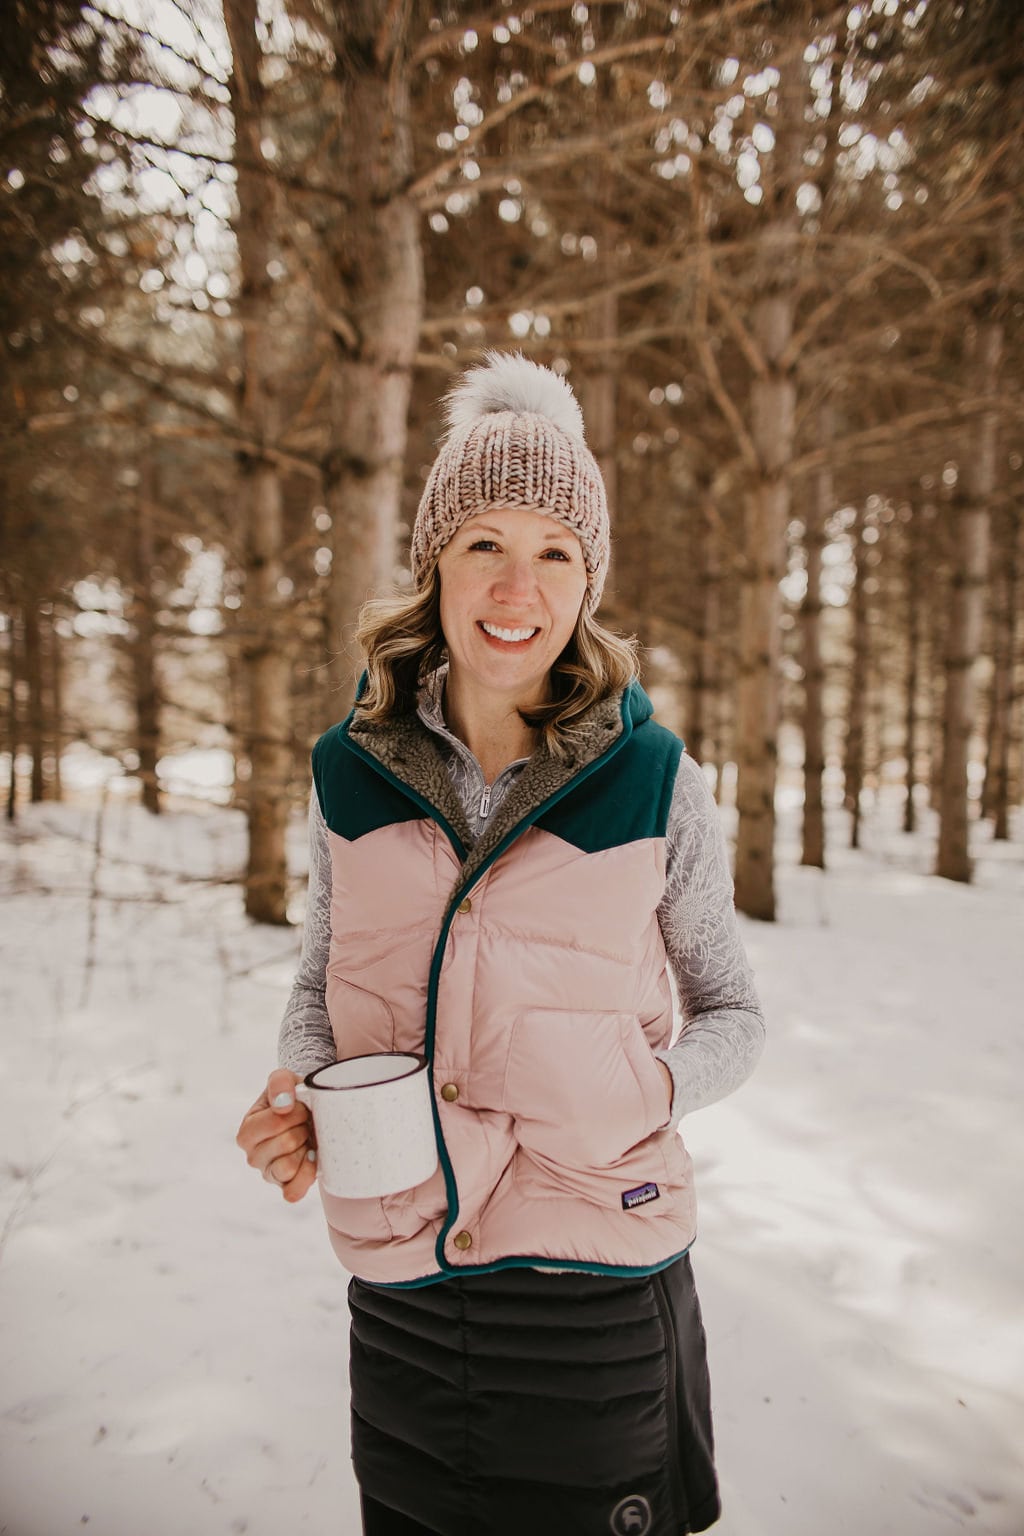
(374, 1124)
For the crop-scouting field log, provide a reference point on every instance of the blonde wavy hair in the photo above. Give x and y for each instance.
(403, 642)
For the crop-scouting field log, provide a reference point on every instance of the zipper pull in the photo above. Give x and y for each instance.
(485, 802)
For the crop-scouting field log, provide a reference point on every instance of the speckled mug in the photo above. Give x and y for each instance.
(374, 1124)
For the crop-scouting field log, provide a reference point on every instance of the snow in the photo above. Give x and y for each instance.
(174, 1351)
(201, 773)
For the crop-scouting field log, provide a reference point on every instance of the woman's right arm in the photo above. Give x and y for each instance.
(306, 1040)
(276, 1133)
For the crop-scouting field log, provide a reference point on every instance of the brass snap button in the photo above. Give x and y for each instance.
(462, 1240)
(465, 905)
(450, 1093)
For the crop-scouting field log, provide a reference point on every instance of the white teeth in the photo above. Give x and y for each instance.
(507, 634)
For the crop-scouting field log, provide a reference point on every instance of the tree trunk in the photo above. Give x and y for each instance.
(970, 506)
(265, 656)
(725, 704)
(50, 727)
(599, 402)
(56, 681)
(819, 508)
(766, 511)
(377, 265)
(35, 717)
(146, 688)
(1015, 773)
(992, 708)
(997, 768)
(935, 629)
(237, 723)
(853, 763)
(702, 735)
(13, 707)
(912, 614)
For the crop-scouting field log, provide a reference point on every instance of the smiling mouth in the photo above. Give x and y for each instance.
(519, 636)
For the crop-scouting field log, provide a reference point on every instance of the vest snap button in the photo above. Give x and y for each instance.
(462, 1240)
(465, 905)
(450, 1093)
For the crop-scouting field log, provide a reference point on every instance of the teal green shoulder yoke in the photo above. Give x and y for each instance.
(624, 798)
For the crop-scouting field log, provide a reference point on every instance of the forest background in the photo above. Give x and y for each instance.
(775, 248)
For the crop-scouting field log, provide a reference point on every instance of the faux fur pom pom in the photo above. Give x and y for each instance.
(508, 381)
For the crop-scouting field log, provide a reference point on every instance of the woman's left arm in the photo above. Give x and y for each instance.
(723, 1025)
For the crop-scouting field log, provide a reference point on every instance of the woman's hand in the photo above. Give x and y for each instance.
(276, 1136)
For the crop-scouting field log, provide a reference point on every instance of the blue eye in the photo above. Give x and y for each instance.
(483, 544)
(558, 554)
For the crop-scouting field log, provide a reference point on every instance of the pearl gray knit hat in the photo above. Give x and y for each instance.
(514, 439)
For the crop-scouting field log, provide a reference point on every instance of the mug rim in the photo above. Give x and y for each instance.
(419, 1061)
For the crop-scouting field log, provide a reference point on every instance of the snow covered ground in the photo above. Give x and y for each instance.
(174, 1337)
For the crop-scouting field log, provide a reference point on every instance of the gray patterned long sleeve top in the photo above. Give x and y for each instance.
(721, 1028)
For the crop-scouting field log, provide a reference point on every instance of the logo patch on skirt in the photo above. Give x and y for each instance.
(631, 1198)
(631, 1517)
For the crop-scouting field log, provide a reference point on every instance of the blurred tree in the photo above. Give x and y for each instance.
(46, 262)
(142, 615)
(1005, 616)
(913, 604)
(265, 649)
(77, 296)
(819, 504)
(759, 239)
(979, 107)
(374, 274)
(853, 760)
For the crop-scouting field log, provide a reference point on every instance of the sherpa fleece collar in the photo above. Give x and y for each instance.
(408, 750)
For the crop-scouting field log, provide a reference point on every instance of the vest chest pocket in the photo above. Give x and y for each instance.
(583, 1088)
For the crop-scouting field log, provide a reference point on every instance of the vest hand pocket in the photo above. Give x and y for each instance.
(583, 1087)
(366, 1021)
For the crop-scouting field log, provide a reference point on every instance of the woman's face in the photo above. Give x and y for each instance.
(512, 585)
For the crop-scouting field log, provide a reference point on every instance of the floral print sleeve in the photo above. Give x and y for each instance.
(306, 1040)
(722, 1024)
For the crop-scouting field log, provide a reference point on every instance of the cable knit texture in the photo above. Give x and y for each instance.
(515, 439)
(721, 1025)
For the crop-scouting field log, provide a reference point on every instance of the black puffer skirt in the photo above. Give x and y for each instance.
(524, 1401)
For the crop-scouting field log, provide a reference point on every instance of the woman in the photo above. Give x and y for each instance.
(508, 855)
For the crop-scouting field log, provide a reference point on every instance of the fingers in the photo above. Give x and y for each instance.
(277, 1136)
(289, 1160)
(276, 1108)
(293, 1171)
(282, 1170)
(262, 1125)
(301, 1183)
(280, 1090)
(278, 1095)
(290, 1142)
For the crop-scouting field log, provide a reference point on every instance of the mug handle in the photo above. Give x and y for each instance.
(304, 1095)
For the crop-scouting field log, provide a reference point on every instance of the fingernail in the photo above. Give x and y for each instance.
(311, 1154)
(282, 1101)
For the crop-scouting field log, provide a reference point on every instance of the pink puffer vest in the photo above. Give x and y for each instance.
(537, 986)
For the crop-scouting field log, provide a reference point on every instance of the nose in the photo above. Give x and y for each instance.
(516, 583)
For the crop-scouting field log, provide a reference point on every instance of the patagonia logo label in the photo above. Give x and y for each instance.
(631, 1198)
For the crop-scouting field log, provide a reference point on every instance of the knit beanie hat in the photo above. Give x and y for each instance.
(514, 439)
